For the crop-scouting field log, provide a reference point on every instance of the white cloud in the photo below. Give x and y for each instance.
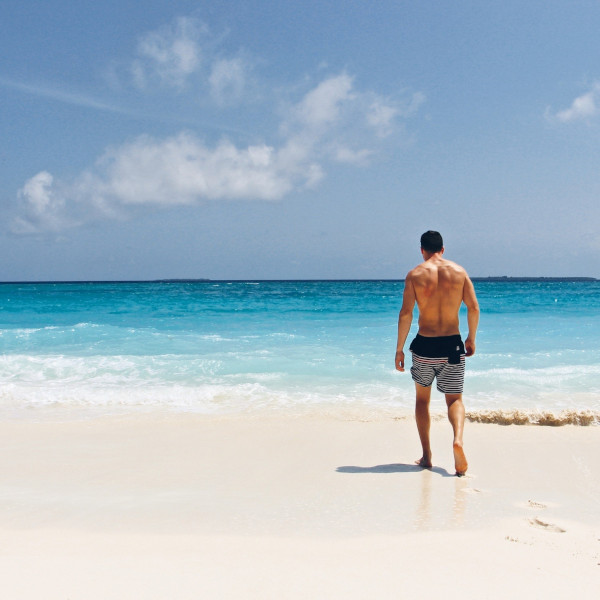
(332, 122)
(171, 53)
(227, 80)
(383, 112)
(320, 126)
(322, 106)
(182, 170)
(380, 117)
(163, 173)
(184, 55)
(583, 107)
(41, 208)
(342, 154)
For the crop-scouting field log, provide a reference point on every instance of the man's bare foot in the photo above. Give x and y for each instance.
(424, 462)
(460, 460)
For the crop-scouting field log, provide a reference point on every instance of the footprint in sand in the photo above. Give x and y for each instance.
(510, 538)
(534, 504)
(471, 491)
(546, 526)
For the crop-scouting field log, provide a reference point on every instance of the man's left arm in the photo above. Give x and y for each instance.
(470, 300)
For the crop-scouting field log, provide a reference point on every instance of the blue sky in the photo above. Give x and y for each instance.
(314, 139)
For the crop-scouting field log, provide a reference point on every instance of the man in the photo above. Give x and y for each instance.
(438, 286)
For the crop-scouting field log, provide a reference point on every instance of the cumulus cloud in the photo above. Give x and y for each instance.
(183, 170)
(332, 121)
(41, 207)
(322, 106)
(228, 80)
(186, 57)
(180, 170)
(171, 53)
(321, 124)
(380, 117)
(583, 107)
(342, 154)
(382, 113)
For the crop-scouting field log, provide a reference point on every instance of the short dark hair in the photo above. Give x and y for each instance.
(431, 241)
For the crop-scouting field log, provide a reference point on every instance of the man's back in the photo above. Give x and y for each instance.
(439, 288)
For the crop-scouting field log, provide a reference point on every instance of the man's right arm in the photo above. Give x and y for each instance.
(405, 320)
(470, 300)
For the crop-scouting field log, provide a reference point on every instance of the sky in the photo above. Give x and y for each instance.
(297, 140)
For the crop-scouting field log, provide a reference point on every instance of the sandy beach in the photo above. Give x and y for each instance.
(184, 506)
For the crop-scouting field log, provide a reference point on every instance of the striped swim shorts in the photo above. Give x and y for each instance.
(439, 358)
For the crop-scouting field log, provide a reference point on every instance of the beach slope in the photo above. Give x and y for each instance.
(183, 506)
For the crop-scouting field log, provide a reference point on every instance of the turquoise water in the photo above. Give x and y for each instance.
(326, 346)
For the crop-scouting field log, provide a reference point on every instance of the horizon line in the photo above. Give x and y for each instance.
(494, 278)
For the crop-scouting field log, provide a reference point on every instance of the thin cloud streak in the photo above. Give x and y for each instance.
(63, 96)
(74, 99)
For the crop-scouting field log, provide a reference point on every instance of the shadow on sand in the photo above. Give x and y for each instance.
(394, 468)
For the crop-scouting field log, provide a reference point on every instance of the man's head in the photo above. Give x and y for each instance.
(432, 242)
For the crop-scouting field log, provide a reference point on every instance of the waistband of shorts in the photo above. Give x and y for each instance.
(438, 347)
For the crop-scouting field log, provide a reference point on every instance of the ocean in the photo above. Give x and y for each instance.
(293, 347)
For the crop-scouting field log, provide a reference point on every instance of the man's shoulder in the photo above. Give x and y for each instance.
(453, 273)
(416, 272)
(455, 267)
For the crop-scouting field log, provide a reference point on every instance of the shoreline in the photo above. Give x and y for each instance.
(252, 507)
(360, 412)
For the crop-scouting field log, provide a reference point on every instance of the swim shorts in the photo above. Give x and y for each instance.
(440, 358)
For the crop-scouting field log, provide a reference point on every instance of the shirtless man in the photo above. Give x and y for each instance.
(438, 286)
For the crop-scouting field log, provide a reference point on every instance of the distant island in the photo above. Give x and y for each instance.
(178, 280)
(551, 279)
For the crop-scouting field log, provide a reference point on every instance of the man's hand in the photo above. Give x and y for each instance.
(470, 346)
(399, 360)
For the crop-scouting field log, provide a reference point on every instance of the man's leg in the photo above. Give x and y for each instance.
(456, 416)
(423, 423)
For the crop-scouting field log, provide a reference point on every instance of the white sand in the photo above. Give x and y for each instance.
(195, 507)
